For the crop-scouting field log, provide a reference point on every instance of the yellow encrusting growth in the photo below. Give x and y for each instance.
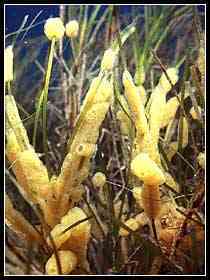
(74, 239)
(145, 153)
(201, 160)
(60, 194)
(108, 60)
(152, 176)
(164, 86)
(125, 122)
(137, 194)
(75, 167)
(135, 103)
(146, 170)
(132, 224)
(142, 219)
(16, 221)
(157, 116)
(150, 199)
(68, 261)
(201, 61)
(135, 223)
(172, 75)
(31, 174)
(54, 28)
(169, 111)
(8, 63)
(142, 93)
(99, 180)
(170, 181)
(185, 131)
(194, 114)
(147, 131)
(171, 150)
(14, 123)
(72, 29)
(155, 123)
(86, 149)
(12, 147)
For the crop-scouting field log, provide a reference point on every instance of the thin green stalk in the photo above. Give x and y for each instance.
(180, 62)
(110, 20)
(73, 48)
(42, 104)
(45, 97)
(146, 20)
(83, 28)
(147, 44)
(92, 19)
(160, 40)
(36, 121)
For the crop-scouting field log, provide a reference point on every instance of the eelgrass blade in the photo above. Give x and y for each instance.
(92, 19)
(42, 105)
(124, 35)
(45, 98)
(37, 116)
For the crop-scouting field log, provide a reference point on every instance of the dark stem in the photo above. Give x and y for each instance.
(154, 230)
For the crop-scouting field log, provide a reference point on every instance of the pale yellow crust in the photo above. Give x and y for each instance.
(68, 262)
(54, 28)
(147, 170)
(72, 29)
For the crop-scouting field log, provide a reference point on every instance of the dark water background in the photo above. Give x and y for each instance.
(14, 15)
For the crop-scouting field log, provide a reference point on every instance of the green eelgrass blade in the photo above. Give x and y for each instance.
(157, 45)
(148, 40)
(124, 35)
(83, 28)
(180, 62)
(92, 19)
(42, 103)
(37, 114)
